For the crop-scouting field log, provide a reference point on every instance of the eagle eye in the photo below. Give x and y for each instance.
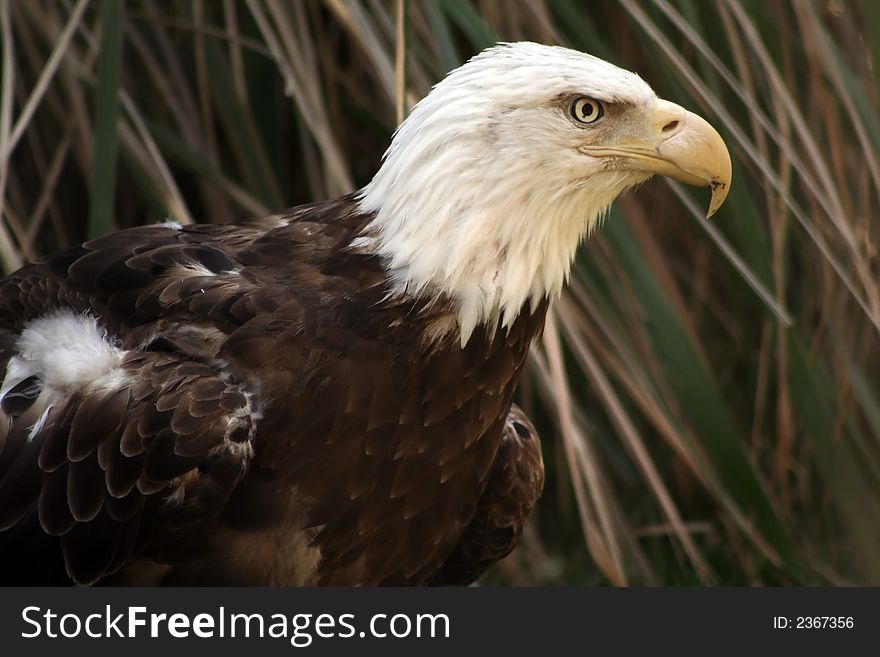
(586, 110)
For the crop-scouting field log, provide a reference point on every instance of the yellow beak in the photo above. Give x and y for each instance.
(681, 145)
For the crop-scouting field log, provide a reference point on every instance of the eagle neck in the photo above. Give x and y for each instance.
(495, 254)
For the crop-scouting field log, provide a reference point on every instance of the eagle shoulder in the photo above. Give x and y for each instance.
(127, 415)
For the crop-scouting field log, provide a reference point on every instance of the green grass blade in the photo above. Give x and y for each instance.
(104, 158)
(469, 21)
(718, 431)
(440, 29)
(243, 139)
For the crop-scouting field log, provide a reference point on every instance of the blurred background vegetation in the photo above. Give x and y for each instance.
(708, 393)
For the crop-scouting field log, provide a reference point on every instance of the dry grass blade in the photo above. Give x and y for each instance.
(45, 199)
(42, 84)
(707, 394)
(400, 62)
(309, 105)
(732, 256)
(636, 448)
(599, 536)
(355, 18)
(10, 259)
(766, 168)
(835, 213)
(174, 200)
(809, 18)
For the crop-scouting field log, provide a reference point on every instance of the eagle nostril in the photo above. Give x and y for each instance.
(672, 125)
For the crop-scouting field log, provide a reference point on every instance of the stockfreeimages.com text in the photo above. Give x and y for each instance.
(299, 629)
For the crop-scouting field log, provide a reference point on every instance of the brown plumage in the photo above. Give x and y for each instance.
(514, 486)
(282, 422)
(324, 396)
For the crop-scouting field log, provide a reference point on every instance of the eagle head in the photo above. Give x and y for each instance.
(497, 175)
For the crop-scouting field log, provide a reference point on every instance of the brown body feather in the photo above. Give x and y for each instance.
(281, 420)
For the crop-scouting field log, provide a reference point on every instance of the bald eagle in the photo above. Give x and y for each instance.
(324, 396)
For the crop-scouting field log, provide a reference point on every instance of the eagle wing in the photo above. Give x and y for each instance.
(102, 471)
(514, 486)
(91, 472)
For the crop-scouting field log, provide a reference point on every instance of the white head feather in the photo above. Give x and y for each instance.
(483, 194)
